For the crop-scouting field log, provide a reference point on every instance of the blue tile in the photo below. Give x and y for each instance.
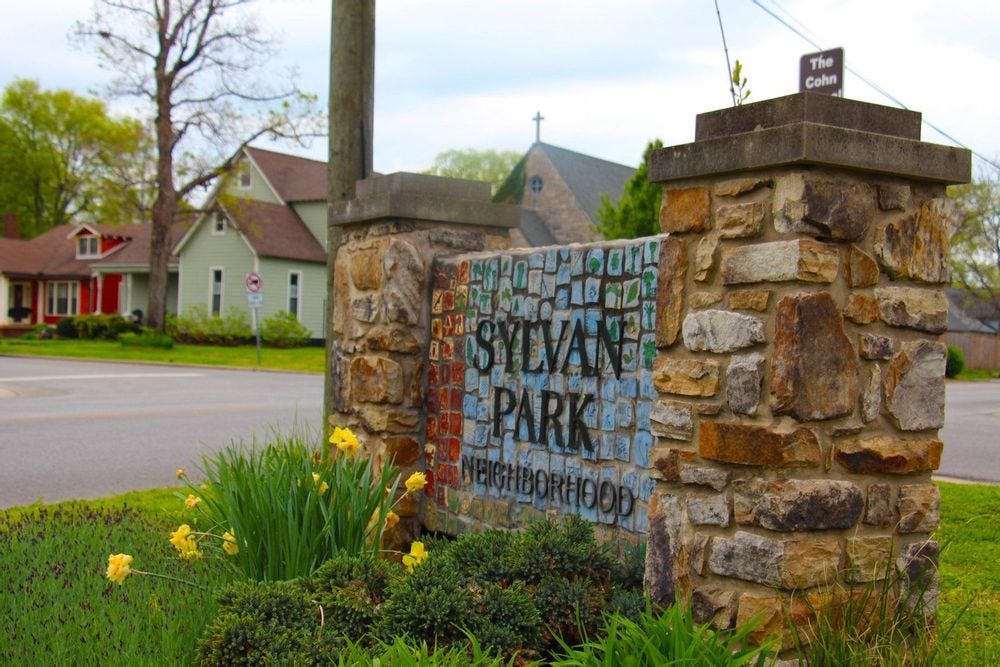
(626, 414)
(595, 262)
(505, 265)
(651, 253)
(641, 444)
(562, 274)
(616, 260)
(628, 386)
(536, 260)
(623, 448)
(630, 293)
(646, 388)
(576, 262)
(609, 388)
(607, 448)
(520, 274)
(550, 261)
(576, 295)
(608, 416)
(649, 283)
(643, 408)
(562, 298)
(469, 406)
(592, 291)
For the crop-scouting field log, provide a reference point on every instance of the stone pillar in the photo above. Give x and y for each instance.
(798, 332)
(391, 233)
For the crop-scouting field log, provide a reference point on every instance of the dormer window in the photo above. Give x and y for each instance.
(218, 224)
(88, 247)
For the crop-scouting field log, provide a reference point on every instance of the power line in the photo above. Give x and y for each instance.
(812, 42)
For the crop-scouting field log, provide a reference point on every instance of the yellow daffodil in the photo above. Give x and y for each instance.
(345, 441)
(192, 501)
(416, 482)
(315, 478)
(416, 556)
(323, 488)
(179, 537)
(229, 543)
(181, 473)
(185, 543)
(119, 567)
(391, 519)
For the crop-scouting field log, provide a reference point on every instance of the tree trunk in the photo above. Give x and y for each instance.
(165, 206)
(352, 104)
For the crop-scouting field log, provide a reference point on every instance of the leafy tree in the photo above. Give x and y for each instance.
(66, 160)
(975, 244)
(638, 210)
(196, 64)
(487, 165)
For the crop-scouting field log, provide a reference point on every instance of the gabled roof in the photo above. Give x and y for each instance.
(273, 230)
(587, 178)
(53, 254)
(292, 178)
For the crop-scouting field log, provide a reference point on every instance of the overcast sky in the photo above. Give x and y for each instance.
(607, 76)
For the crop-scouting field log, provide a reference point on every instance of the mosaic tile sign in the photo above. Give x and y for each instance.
(540, 382)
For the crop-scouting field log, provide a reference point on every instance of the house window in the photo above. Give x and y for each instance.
(219, 224)
(87, 246)
(62, 298)
(243, 175)
(216, 291)
(294, 283)
(536, 184)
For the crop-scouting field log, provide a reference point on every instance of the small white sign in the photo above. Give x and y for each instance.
(255, 299)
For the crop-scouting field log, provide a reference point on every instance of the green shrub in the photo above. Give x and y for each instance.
(284, 330)
(147, 338)
(196, 325)
(350, 589)
(668, 638)
(100, 326)
(506, 618)
(66, 328)
(291, 507)
(955, 362)
(432, 604)
(261, 624)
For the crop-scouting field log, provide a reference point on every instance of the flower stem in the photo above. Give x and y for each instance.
(169, 578)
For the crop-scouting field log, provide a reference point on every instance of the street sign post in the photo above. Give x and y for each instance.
(822, 72)
(255, 300)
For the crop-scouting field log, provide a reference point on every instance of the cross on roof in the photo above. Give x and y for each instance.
(538, 125)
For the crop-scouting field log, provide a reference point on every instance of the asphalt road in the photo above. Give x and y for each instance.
(79, 429)
(971, 432)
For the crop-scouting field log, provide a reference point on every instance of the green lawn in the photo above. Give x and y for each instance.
(61, 610)
(970, 573)
(303, 359)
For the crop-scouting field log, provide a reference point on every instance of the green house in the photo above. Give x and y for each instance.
(268, 217)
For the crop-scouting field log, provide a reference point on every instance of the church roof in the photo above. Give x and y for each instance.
(588, 177)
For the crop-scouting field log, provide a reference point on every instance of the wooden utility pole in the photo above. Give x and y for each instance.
(352, 114)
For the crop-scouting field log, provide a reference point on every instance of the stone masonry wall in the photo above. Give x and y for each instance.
(798, 338)
(381, 311)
